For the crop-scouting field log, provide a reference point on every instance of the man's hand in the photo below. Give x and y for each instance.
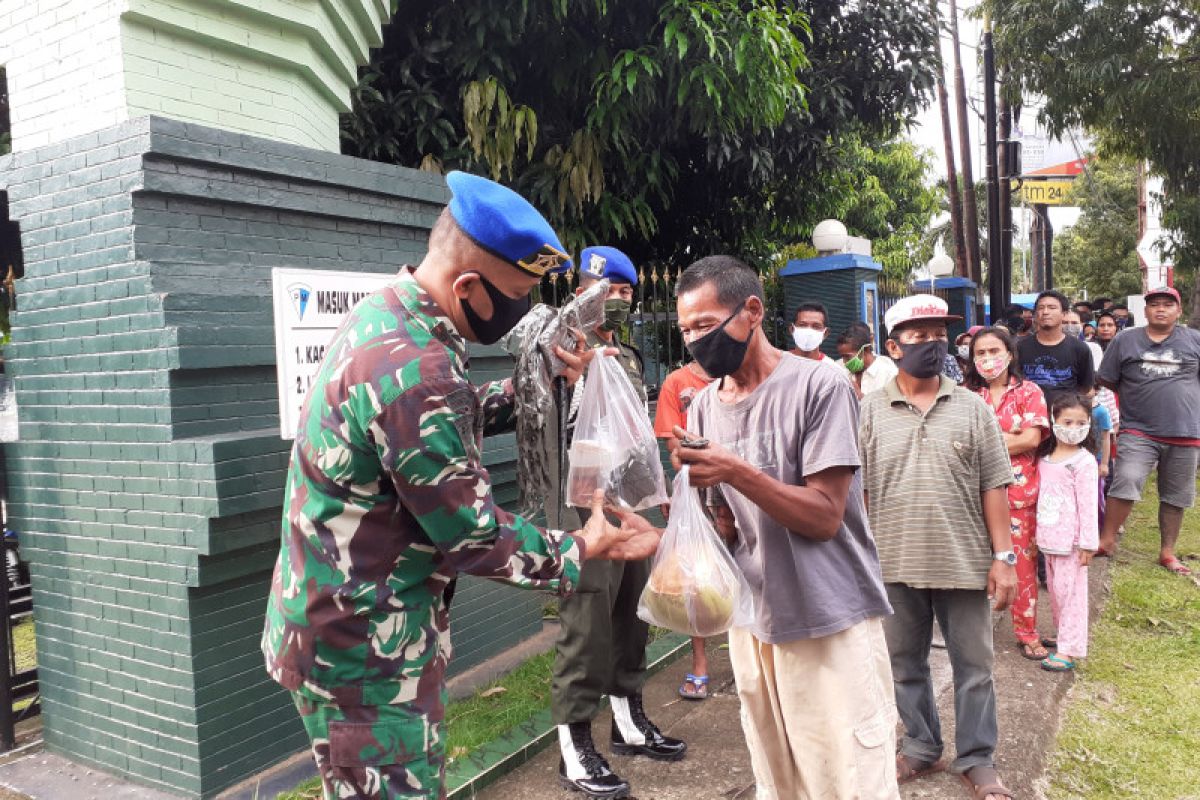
(634, 540)
(1085, 557)
(576, 361)
(1002, 585)
(725, 523)
(707, 466)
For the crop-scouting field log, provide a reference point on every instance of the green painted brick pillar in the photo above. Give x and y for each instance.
(147, 484)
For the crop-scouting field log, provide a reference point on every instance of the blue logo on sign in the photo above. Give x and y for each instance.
(300, 293)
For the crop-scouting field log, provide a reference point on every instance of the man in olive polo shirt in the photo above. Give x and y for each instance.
(935, 470)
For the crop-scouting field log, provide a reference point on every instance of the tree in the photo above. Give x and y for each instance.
(1098, 253)
(893, 202)
(666, 129)
(1129, 71)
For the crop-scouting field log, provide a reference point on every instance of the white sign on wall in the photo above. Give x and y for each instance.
(309, 306)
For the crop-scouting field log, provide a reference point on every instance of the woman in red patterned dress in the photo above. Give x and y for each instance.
(1020, 408)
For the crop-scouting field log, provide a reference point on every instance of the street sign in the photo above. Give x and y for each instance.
(309, 306)
(1051, 193)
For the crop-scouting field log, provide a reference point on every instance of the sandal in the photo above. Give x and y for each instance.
(1051, 642)
(698, 687)
(988, 783)
(1033, 651)
(908, 769)
(1057, 663)
(1175, 565)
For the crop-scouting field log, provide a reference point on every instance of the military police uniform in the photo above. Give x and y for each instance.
(386, 501)
(601, 648)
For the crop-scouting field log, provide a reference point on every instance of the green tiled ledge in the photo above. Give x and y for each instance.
(492, 761)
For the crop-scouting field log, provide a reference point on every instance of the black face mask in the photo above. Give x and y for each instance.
(506, 313)
(616, 313)
(923, 360)
(718, 353)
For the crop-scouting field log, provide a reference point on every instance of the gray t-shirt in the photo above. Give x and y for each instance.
(1158, 383)
(803, 419)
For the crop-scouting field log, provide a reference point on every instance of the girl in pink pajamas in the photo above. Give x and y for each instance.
(1067, 530)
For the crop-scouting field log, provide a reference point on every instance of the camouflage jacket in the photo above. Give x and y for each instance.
(386, 501)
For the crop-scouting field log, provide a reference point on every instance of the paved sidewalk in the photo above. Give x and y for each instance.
(717, 766)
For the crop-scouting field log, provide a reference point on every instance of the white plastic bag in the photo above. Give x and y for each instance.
(614, 447)
(695, 586)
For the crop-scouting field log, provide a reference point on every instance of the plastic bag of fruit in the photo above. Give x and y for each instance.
(614, 447)
(695, 586)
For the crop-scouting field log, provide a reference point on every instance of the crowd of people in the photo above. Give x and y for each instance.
(863, 497)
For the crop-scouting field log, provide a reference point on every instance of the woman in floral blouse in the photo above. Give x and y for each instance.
(1020, 408)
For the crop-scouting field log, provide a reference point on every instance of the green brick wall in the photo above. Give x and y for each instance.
(147, 482)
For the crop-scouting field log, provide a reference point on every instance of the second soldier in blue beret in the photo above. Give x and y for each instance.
(602, 645)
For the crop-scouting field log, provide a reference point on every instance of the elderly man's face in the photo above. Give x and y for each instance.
(700, 313)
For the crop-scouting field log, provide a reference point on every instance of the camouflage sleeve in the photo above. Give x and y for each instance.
(498, 406)
(425, 440)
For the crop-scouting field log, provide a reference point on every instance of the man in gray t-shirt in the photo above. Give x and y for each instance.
(1155, 372)
(812, 671)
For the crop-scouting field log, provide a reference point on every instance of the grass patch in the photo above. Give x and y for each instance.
(1132, 727)
(25, 644)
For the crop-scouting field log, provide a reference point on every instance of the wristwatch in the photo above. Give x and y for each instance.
(1007, 556)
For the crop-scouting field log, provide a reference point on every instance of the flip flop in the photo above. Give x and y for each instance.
(1026, 652)
(1174, 565)
(1050, 642)
(1057, 663)
(909, 769)
(700, 690)
(991, 784)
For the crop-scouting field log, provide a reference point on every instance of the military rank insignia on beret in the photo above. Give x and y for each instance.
(503, 223)
(608, 262)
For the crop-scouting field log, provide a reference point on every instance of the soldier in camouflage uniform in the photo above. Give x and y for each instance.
(387, 500)
(602, 644)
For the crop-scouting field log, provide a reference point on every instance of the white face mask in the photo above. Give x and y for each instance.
(807, 339)
(1074, 435)
(964, 351)
(1073, 329)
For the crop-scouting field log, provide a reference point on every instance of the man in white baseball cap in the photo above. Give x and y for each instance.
(935, 471)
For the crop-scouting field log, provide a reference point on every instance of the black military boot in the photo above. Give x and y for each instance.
(633, 734)
(582, 768)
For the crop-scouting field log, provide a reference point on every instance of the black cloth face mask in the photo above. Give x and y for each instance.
(506, 313)
(923, 360)
(718, 353)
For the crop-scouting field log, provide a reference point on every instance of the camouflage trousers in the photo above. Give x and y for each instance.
(375, 752)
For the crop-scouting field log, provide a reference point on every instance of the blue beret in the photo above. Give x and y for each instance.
(504, 224)
(608, 262)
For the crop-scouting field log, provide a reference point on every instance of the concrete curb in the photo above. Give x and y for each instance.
(496, 759)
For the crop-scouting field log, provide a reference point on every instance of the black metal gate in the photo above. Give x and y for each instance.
(18, 682)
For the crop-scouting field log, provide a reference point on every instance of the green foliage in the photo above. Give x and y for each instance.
(1131, 72)
(668, 129)
(891, 199)
(1098, 253)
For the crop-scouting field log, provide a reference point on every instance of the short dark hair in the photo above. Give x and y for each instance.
(1083, 303)
(1061, 403)
(972, 379)
(858, 336)
(1105, 313)
(1100, 301)
(1119, 307)
(1063, 303)
(1014, 310)
(734, 280)
(814, 306)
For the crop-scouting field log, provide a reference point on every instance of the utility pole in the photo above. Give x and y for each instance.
(999, 289)
(1009, 167)
(961, 265)
(970, 210)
